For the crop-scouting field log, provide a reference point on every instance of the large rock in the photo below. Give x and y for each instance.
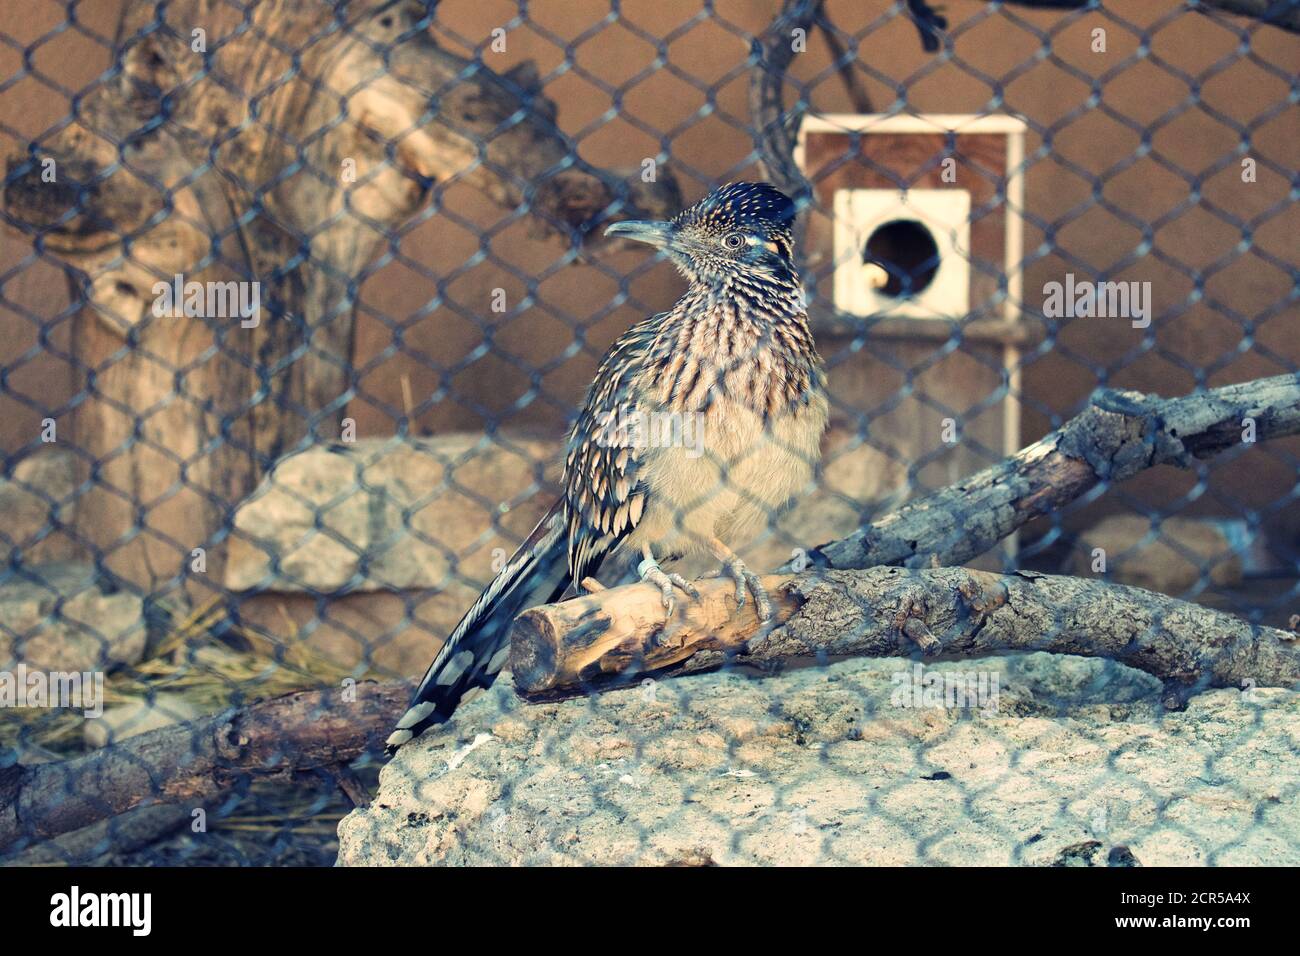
(382, 514)
(58, 618)
(385, 514)
(1170, 560)
(36, 495)
(818, 766)
(411, 531)
(138, 717)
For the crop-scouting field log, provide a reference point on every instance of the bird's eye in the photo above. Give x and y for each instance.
(734, 241)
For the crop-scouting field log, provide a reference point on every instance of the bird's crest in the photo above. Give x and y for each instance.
(760, 207)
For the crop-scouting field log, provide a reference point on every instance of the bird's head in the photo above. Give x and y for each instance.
(738, 229)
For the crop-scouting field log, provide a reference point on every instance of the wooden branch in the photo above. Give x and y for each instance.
(196, 761)
(95, 845)
(621, 631)
(596, 640)
(776, 130)
(1117, 436)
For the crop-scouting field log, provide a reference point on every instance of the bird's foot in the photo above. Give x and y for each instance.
(747, 579)
(649, 570)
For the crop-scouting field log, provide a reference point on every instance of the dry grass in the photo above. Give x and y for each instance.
(211, 673)
(193, 663)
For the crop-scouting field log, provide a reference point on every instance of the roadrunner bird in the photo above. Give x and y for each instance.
(735, 361)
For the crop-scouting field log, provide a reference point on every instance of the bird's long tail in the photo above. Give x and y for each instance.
(538, 573)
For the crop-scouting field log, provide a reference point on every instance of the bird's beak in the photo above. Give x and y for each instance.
(657, 234)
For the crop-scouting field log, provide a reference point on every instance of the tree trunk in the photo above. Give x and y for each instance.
(279, 147)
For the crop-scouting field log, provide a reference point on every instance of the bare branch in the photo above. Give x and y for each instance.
(195, 761)
(621, 631)
(776, 129)
(596, 640)
(1119, 435)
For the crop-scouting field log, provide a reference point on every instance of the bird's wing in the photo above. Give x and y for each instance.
(602, 502)
(603, 493)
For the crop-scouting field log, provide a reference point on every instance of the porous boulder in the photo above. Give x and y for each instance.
(59, 617)
(826, 765)
(35, 499)
(387, 514)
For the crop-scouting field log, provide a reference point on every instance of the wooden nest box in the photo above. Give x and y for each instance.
(916, 240)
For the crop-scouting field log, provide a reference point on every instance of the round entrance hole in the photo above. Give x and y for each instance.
(908, 253)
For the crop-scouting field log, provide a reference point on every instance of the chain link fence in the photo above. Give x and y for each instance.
(299, 299)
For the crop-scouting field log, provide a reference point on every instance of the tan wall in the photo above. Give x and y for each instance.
(1201, 341)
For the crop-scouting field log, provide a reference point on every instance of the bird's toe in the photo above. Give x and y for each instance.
(686, 586)
(652, 573)
(762, 602)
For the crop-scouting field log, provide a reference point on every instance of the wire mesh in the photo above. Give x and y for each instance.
(300, 298)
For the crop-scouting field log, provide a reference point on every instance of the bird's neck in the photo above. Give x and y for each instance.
(747, 299)
(746, 338)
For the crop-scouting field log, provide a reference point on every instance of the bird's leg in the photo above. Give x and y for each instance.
(744, 578)
(649, 570)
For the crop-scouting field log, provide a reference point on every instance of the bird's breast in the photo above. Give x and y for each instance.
(733, 468)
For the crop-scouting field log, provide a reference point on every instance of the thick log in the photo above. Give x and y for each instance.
(597, 640)
(622, 631)
(1118, 435)
(190, 763)
(100, 843)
